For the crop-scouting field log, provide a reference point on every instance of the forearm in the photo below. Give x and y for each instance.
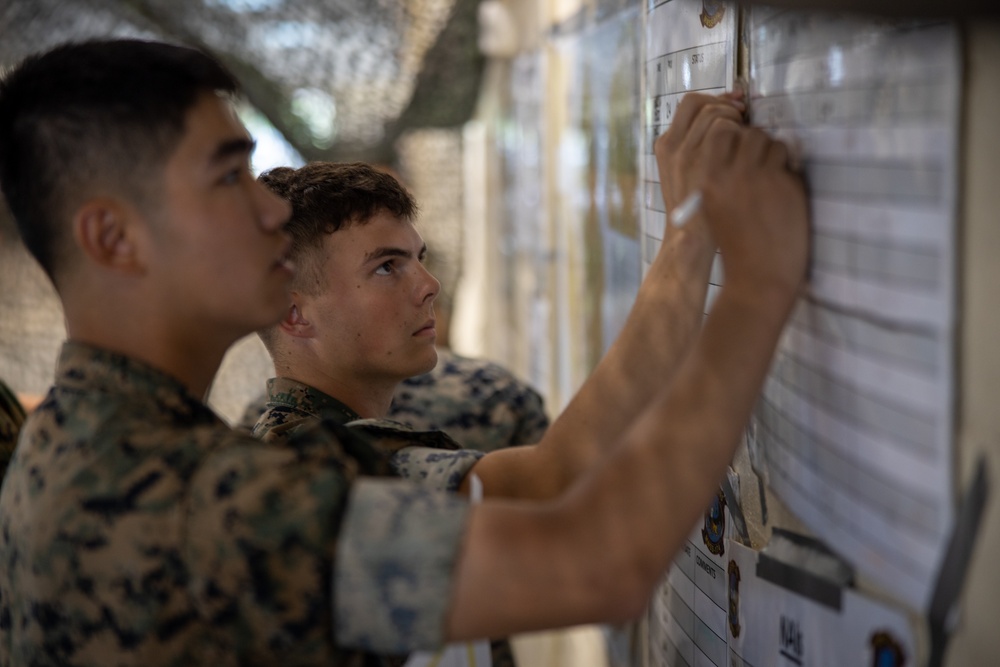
(680, 447)
(659, 332)
(604, 545)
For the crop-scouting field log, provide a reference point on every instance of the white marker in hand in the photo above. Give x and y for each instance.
(686, 209)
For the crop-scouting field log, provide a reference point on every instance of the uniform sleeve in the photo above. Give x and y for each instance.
(261, 530)
(295, 562)
(395, 560)
(434, 468)
(532, 421)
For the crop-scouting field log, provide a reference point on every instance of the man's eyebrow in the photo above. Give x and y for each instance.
(392, 251)
(230, 147)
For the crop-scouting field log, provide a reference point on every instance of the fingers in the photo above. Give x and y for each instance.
(778, 156)
(754, 146)
(707, 119)
(759, 149)
(687, 111)
(722, 142)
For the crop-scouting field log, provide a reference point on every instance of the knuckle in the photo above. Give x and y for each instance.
(693, 100)
(731, 112)
(722, 130)
(780, 154)
(713, 112)
(661, 145)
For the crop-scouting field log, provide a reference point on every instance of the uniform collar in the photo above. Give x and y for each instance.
(288, 393)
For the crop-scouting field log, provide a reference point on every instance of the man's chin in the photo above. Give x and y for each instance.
(430, 364)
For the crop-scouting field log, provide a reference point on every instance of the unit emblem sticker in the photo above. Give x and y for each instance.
(886, 651)
(713, 533)
(712, 12)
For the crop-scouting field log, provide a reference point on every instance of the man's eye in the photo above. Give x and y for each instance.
(384, 269)
(231, 177)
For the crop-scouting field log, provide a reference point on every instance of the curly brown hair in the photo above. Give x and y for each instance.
(327, 197)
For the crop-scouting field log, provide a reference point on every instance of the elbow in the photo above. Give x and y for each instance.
(625, 594)
(632, 605)
(647, 573)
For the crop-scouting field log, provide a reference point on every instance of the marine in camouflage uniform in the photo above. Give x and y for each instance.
(138, 529)
(11, 418)
(293, 408)
(480, 404)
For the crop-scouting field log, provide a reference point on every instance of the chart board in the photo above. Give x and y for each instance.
(688, 611)
(768, 624)
(856, 419)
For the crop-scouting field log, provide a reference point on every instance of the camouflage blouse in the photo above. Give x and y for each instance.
(292, 406)
(136, 528)
(479, 403)
(11, 418)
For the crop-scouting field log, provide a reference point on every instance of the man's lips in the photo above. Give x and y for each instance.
(428, 328)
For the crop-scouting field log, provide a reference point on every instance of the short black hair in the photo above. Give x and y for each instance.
(106, 113)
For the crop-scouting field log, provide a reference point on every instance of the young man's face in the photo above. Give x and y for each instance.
(217, 240)
(374, 321)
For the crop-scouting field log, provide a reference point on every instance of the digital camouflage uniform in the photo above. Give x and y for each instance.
(293, 407)
(11, 418)
(137, 529)
(480, 404)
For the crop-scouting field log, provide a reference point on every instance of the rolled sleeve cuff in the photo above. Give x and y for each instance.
(393, 567)
(434, 468)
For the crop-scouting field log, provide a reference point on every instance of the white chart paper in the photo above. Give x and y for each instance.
(855, 423)
(690, 46)
(771, 626)
(688, 612)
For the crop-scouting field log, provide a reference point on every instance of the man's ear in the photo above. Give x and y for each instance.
(105, 229)
(294, 323)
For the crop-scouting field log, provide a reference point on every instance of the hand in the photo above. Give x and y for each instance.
(755, 207)
(679, 151)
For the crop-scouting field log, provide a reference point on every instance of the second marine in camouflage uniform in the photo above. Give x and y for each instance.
(480, 404)
(293, 408)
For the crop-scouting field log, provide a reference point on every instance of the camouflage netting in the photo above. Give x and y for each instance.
(31, 320)
(341, 79)
(385, 81)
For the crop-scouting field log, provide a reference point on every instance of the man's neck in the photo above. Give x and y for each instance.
(192, 362)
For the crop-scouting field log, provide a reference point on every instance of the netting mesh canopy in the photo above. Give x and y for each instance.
(340, 79)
